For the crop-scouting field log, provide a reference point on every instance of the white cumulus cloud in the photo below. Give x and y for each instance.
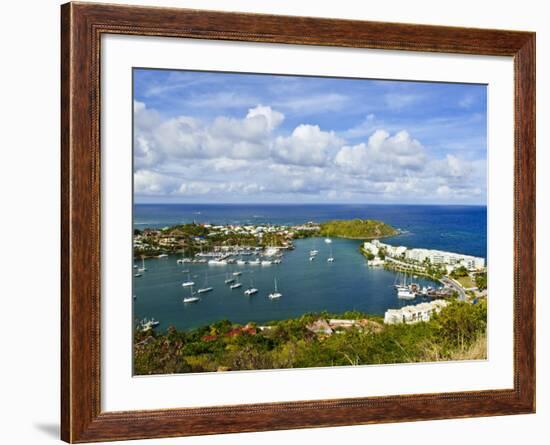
(382, 154)
(307, 145)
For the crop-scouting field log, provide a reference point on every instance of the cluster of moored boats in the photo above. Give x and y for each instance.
(272, 255)
(232, 281)
(313, 253)
(411, 290)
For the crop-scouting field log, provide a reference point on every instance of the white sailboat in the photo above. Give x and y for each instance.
(251, 289)
(205, 288)
(142, 268)
(191, 298)
(229, 280)
(217, 262)
(235, 286)
(275, 294)
(313, 251)
(405, 292)
(188, 283)
(330, 259)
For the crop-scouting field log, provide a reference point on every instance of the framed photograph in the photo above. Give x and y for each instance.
(275, 222)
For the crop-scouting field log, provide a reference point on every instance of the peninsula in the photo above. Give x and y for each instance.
(357, 229)
(190, 239)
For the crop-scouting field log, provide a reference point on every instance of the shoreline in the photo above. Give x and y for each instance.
(190, 239)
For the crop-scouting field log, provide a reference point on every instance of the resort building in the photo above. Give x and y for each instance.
(414, 314)
(437, 257)
(371, 247)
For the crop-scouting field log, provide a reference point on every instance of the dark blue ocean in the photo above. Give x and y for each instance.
(454, 228)
(346, 284)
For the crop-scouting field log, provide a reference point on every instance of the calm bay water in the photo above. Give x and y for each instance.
(346, 284)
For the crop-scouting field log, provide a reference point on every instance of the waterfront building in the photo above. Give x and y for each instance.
(377, 262)
(436, 257)
(371, 247)
(414, 314)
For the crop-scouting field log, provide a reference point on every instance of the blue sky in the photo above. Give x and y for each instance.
(227, 137)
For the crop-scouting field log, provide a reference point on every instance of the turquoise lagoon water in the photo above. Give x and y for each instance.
(307, 286)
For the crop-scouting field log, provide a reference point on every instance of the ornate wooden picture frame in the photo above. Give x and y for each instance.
(82, 26)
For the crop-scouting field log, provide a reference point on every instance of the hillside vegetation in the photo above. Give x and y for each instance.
(458, 332)
(357, 229)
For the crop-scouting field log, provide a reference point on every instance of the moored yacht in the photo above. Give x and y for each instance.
(205, 288)
(217, 262)
(404, 291)
(251, 289)
(142, 268)
(191, 300)
(275, 294)
(405, 294)
(330, 259)
(188, 283)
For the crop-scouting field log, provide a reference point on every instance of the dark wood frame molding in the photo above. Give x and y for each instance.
(82, 25)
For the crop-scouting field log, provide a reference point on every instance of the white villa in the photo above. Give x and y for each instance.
(414, 314)
(450, 259)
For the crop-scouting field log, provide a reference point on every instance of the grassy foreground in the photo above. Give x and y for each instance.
(457, 333)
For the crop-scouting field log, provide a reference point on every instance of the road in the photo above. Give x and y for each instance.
(461, 293)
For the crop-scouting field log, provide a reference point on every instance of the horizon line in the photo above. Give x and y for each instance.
(306, 203)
